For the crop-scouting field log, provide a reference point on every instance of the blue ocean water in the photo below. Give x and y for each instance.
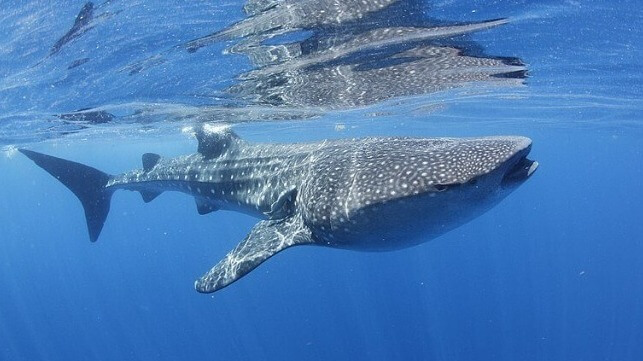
(551, 273)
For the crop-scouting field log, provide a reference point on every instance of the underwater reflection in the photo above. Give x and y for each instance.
(349, 54)
(307, 59)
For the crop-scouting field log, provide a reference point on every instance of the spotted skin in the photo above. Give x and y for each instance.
(364, 194)
(295, 14)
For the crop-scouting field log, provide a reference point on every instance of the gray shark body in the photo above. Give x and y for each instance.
(363, 194)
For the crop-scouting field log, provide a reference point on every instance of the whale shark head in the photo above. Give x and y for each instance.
(397, 192)
(504, 165)
(518, 168)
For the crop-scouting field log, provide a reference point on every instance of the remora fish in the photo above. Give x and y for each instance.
(364, 194)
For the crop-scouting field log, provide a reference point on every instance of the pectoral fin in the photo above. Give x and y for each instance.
(266, 239)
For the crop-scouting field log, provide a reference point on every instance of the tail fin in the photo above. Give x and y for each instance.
(87, 183)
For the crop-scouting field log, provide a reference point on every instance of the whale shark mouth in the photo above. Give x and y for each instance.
(519, 172)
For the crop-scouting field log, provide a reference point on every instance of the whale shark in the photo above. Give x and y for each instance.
(367, 194)
(294, 14)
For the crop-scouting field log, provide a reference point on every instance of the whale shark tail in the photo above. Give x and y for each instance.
(87, 183)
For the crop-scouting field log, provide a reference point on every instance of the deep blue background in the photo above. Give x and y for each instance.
(552, 273)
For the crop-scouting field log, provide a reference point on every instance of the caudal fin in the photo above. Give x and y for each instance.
(87, 183)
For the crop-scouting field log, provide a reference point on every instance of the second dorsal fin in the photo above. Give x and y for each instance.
(150, 160)
(215, 141)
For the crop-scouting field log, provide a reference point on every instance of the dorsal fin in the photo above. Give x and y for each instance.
(215, 141)
(150, 160)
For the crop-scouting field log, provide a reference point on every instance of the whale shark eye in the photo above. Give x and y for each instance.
(441, 187)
